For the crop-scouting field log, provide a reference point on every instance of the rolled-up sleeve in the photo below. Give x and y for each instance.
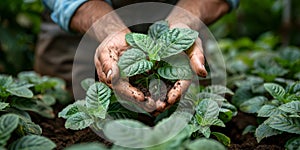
(62, 11)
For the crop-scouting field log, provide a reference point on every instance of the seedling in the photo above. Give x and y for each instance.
(158, 52)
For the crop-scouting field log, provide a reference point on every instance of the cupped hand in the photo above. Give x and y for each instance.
(197, 61)
(106, 62)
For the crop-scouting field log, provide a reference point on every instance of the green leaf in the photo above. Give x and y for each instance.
(5, 81)
(293, 144)
(249, 129)
(86, 83)
(78, 121)
(126, 132)
(3, 105)
(20, 91)
(275, 90)
(33, 105)
(215, 97)
(142, 42)
(205, 144)
(241, 95)
(268, 111)
(8, 123)
(291, 107)
(117, 111)
(71, 109)
(48, 99)
(253, 105)
(32, 142)
(207, 109)
(157, 29)
(98, 99)
(27, 127)
(176, 41)
(176, 67)
(157, 89)
(133, 61)
(222, 138)
(263, 131)
(87, 146)
(218, 89)
(283, 123)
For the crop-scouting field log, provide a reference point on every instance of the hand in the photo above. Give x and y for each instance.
(197, 60)
(106, 61)
(106, 58)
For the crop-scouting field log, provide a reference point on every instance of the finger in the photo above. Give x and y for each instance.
(197, 59)
(100, 73)
(178, 89)
(125, 90)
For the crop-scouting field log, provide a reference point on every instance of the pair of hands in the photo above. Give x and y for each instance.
(106, 59)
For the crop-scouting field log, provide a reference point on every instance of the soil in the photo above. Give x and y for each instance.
(54, 129)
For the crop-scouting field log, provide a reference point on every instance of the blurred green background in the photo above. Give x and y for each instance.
(277, 20)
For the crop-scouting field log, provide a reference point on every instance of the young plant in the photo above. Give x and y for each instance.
(280, 114)
(158, 51)
(29, 92)
(100, 107)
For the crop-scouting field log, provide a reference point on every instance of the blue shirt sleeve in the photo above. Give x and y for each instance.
(62, 11)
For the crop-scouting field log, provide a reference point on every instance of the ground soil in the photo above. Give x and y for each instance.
(54, 129)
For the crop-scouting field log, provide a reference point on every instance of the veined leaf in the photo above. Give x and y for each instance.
(32, 142)
(133, 61)
(78, 121)
(86, 83)
(71, 109)
(98, 99)
(205, 144)
(33, 105)
(215, 97)
(293, 144)
(207, 109)
(177, 67)
(283, 123)
(275, 90)
(268, 111)
(5, 81)
(157, 29)
(291, 107)
(20, 91)
(218, 89)
(253, 105)
(222, 138)
(8, 123)
(27, 127)
(117, 111)
(177, 40)
(3, 105)
(263, 131)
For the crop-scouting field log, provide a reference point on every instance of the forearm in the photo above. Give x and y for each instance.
(94, 12)
(207, 11)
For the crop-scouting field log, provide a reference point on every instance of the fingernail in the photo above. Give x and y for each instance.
(109, 74)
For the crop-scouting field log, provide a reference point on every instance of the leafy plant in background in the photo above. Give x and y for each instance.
(29, 92)
(100, 108)
(281, 113)
(19, 25)
(161, 43)
(259, 71)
